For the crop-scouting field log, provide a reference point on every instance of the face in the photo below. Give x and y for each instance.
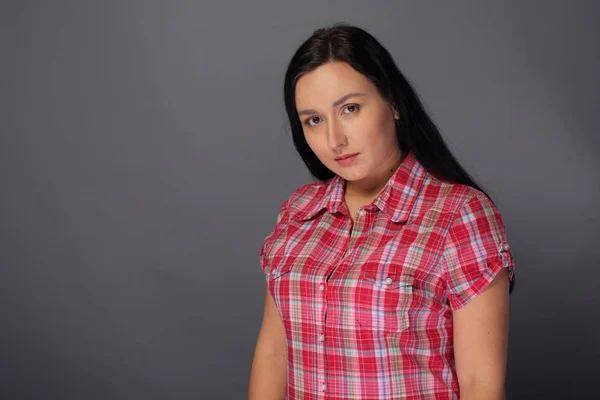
(343, 114)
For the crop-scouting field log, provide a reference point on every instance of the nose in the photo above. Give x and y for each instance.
(335, 135)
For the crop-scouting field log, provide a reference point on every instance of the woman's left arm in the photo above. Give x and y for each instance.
(481, 341)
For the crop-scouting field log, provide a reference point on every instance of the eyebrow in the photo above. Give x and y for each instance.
(334, 104)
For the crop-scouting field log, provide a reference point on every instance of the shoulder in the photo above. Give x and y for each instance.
(300, 200)
(469, 213)
(304, 198)
(453, 206)
(453, 198)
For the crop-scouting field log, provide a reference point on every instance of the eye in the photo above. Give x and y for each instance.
(352, 108)
(311, 119)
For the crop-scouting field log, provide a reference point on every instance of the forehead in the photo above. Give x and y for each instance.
(327, 83)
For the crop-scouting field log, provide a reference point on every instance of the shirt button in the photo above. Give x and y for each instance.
(323, 387)
(361, 212)
(388, 281)
(321, 338)
(505, 247)
(321, 288)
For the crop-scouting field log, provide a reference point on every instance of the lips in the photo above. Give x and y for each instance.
(347, 160)
(345, 157)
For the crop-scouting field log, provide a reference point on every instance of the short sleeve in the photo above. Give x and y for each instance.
(475, 250)
(266, 251)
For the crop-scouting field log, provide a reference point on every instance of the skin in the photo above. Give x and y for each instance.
(268, 374)
(335, 123)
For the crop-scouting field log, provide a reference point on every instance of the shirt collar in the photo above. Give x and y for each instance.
(396, 199)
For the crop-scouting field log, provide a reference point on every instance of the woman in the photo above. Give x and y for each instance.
(389, 277)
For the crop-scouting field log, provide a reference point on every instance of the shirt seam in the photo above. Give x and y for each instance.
(458, 209)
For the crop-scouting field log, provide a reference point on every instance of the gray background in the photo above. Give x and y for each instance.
(144, 153)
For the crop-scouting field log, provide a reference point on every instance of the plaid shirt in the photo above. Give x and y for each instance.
(367, 304)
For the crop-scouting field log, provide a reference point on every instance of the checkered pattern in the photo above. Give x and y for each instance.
(367, 305)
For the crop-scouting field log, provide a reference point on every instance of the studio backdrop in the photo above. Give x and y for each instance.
(144, 153)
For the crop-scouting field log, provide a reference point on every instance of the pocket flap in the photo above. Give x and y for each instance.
(390, 280)
(280, 271)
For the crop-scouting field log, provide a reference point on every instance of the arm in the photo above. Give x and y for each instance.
(481, 340)
(479, 267)
(268, 375)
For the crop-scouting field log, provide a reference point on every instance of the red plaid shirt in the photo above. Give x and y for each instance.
(367, 305)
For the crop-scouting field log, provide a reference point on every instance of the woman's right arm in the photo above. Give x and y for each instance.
(268, 375)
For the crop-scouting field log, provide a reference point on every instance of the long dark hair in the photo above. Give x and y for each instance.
(416, 131)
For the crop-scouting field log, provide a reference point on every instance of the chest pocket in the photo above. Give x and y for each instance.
(281, 288)
(383, 298)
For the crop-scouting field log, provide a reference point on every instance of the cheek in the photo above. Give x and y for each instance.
(387, 130)
(379, 137)
(373, 135)
(374, 128)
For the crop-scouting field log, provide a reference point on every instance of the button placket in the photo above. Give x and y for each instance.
(321, 336)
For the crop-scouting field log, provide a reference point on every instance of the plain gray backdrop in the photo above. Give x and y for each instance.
(144, 154)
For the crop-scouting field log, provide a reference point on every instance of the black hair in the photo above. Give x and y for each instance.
(415, 131)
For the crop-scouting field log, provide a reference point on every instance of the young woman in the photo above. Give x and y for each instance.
(388, 277)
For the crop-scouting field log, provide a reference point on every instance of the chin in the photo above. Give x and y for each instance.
(351, 174)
